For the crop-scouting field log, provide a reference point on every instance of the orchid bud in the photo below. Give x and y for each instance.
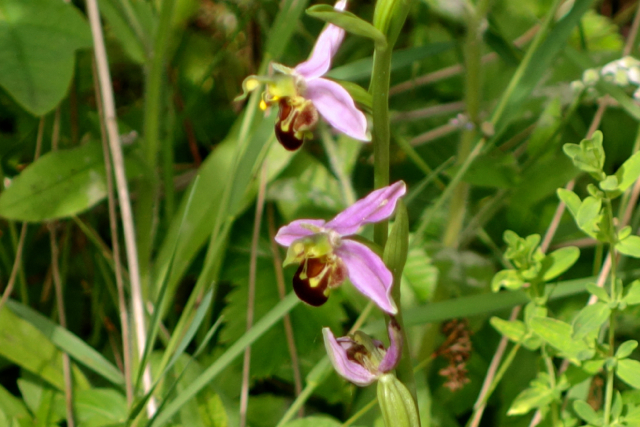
(396, 404)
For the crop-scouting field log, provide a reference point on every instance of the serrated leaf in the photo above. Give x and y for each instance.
(558, 334)
(420, 273)
(57, 185)
(632, 297)
(586, 412)
(508, 279)
(515, 330)
(628, 370)
(38, 39)
(629, 246)
(570, 199)
(559, 261)
(589, 319)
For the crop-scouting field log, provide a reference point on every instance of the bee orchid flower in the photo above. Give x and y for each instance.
(302, 94)
(360, 359)
(326, 254)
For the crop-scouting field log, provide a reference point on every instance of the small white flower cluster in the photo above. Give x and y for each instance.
(623, 72)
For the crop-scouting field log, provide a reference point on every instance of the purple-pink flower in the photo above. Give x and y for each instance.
(327, 256)
(301, 93)
(360, 359)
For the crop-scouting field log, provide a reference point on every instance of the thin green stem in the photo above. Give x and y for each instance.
(381, 132)
(503, 369)
(614, 297)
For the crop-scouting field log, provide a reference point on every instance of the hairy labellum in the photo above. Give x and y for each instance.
(315, 277)
(296, 118)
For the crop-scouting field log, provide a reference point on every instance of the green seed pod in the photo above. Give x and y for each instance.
(396, 403)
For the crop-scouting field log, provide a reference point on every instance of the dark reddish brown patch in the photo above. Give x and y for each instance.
(287, 139)
(314, 296)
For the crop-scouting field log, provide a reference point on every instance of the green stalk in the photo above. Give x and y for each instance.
(381, 134)
(148, 190)
(608, 400)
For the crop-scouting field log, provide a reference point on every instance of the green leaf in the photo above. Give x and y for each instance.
(117, 20)
(27, 347)
(57, 185)
(629, 246)
(628, 172)
(100, 407)
(586, 412)
(531, 398)
(314, 421)
(628, 370)
(588, 156)
(570, 199)
(601, 293)
(558, 334)
(347, 20)
(13, 408)
(515, 330)
(420, 273)
(559, 261)
(626, 348)
(632, 296)
(509, 279)
(589, 319)
(38, 39)
(588, 217)
(79, 350)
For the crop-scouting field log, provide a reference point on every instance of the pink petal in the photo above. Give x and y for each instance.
(297, 229)
(368, 273)
(347, 369)
(334, 103)
(326, 47)
(392, 357)
(377, 206)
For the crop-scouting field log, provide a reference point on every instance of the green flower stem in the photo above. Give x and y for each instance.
(608, 399)
(381, 134)
(496, 380)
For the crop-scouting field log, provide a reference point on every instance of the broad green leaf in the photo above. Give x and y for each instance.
(586, 412)
(628, 370)
(508, 279)
(558, 334)
(23, 344)
(515, 330)
(79, 350)
(629, 246)
(38, 40)
(588, 217)
(559, 261)
(100, 407)
(314, 421)
(570, 199)
(57, 185)
(531, 398)
(632, 297)
(626, 348)
(347, 20)
(589, 319)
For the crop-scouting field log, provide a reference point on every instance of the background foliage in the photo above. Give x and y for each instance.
(199, 164)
